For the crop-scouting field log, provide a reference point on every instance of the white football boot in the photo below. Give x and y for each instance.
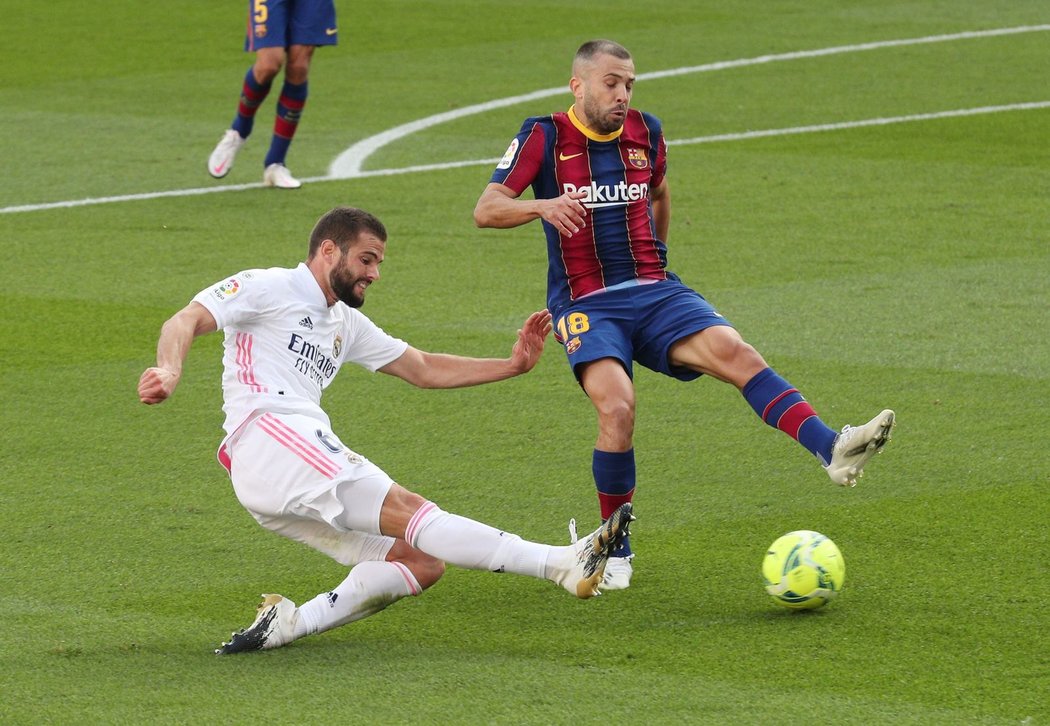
(855, 446)
(274, 626)
(221, 160)
(618, 571)
(278, 176)
(582, 564)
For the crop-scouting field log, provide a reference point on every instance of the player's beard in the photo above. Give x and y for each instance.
(602, 119)
(343, 287)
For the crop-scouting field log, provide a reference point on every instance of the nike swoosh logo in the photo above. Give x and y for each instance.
(566, 157)
(331, 31)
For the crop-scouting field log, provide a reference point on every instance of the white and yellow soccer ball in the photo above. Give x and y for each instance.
(803, 570)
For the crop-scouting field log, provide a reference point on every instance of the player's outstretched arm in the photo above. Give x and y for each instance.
(499, 207)
(176, 336)
(444, 370)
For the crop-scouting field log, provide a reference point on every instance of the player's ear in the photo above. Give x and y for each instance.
(329, 248)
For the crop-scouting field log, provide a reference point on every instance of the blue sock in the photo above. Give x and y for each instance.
(781, 406)
(614, 477)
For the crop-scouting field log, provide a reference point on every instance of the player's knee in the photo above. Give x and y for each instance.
(297, 68)
(747, 359)
(266, 71)
(616, 416)
(732, 352)
(297, 71)
(426, 569)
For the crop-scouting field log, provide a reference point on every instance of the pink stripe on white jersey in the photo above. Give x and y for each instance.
(294, 442)
(415, 524)
(245, 364)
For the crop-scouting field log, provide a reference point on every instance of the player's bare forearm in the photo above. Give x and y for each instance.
(158, 382)
(499, 207)
(444, 370)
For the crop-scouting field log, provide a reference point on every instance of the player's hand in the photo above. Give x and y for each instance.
(566, 213)
(531, 338)
(156, 385)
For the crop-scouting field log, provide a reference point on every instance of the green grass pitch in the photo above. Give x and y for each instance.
(899, 265)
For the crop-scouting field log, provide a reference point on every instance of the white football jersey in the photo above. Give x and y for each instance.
(284, 344)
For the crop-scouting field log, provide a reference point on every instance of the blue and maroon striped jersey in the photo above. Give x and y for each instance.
(557, 154)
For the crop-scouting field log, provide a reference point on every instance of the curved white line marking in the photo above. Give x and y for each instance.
(865, 122)
(348, 164)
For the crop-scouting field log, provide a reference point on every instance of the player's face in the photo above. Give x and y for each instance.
(357, 269)
(603, 89)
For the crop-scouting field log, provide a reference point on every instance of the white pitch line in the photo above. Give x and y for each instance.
(743, 135)
(859, 124)
(348, 164)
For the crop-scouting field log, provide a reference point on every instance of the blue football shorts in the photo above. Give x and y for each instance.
(283, 23)
(638, 323)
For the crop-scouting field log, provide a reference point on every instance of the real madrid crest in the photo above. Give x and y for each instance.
(337, 346)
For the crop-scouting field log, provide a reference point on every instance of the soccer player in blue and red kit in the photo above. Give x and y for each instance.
(280, 33)
(598, 178)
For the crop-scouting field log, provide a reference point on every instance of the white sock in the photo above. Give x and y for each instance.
(472, 545)
(369, 588)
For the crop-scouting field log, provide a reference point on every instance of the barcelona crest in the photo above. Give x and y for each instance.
(637, 158)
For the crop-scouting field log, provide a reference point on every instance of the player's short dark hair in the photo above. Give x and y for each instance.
(343, 225)
(592, 48)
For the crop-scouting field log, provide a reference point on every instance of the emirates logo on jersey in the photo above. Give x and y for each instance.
(637, 158)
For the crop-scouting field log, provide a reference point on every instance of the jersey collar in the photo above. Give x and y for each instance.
(591, 134)
(308, 285)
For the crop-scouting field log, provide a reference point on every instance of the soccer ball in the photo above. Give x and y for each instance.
(803, 570)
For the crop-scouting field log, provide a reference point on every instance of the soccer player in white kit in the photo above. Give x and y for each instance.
(287, 332)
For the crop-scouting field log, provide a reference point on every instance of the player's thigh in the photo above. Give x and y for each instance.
(595, 329)
(312, 22)
(717, 351)
(670, 313)
(294, 465)
(608, 385)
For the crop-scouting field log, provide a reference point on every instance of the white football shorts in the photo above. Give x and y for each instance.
(295, 476)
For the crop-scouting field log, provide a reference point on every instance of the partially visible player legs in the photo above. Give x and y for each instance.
(721, 352)
(254, 89)
(289, 111)
(611, 391)
(614, 478)
(780, 405)
(842, 455)
(578, 567)
(371, 586)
